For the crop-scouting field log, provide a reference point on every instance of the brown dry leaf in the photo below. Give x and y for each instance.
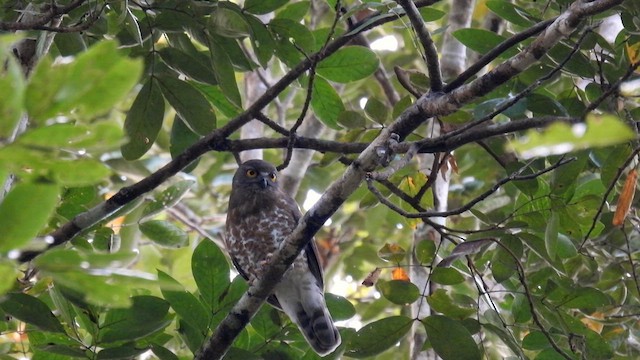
(372, 278)
(626, 198)
(592, 323)
(399, 274)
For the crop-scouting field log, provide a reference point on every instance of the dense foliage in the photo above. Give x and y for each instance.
(120, 126)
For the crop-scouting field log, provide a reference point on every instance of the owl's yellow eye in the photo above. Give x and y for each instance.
(272, 176)
(251, 173)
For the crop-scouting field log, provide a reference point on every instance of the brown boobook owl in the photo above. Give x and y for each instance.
(259, 218)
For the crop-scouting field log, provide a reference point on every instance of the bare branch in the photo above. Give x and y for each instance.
(430, 52)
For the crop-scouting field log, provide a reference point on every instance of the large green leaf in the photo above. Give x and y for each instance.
(143, 121)
(189, 103)
(378, 336)
(164, 233)
(185, 304)
(339, 307)
(167, 198)
(261, 40)
(225, 73)
(189, 65)
(12, 89)
(399, 291)
(92, 84)
(227, 20)
(482, 41)
(210, 271)
(559, 138)
(181, 139)
(450, 339)
(24, 212)
(510, 12)
(443, 303)
(349, 64)
(146, 315)
(31, 310)
(326, 103)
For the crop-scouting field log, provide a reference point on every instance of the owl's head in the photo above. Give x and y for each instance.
(255, 175)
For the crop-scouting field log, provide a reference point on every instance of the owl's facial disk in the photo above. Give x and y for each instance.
(257, 173)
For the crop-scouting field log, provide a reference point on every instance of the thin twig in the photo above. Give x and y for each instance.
(527, 293)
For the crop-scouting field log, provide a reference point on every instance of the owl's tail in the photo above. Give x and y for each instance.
(309, 312)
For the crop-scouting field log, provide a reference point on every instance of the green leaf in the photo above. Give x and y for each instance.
(295, 35)
(559, 138)
(399, 291)
(147, 315)
(482, 41)
(164, 233)
(351, 119)
(446, 276)
(541, 105)
(189, 103)
(376, 110)
(163, 353)
(210, 271)
(215, 96)
(551, 235)
(441, 302)
(294, 11)
(31, 310)
(326, 103)
(60, 89)
(535, 340)
(182, 138)
(80, 172)
(425, 251)
(430, 14)
(126, 351)
(450, 339)
(378, 336)
(503, 265)
(261, 7)
(167, 198)
(339, 307)
(143, 121)
(510, 12)
(24, 212)
(586, 298)
(8, 276)
(349, 64)
(262, 40)
(185, 304)
(266, 322)
(597, 347)
(12, 90)
(228, 21)
(225, 73)
(188, 65)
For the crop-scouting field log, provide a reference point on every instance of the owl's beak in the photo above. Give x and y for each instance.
(264, 181)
